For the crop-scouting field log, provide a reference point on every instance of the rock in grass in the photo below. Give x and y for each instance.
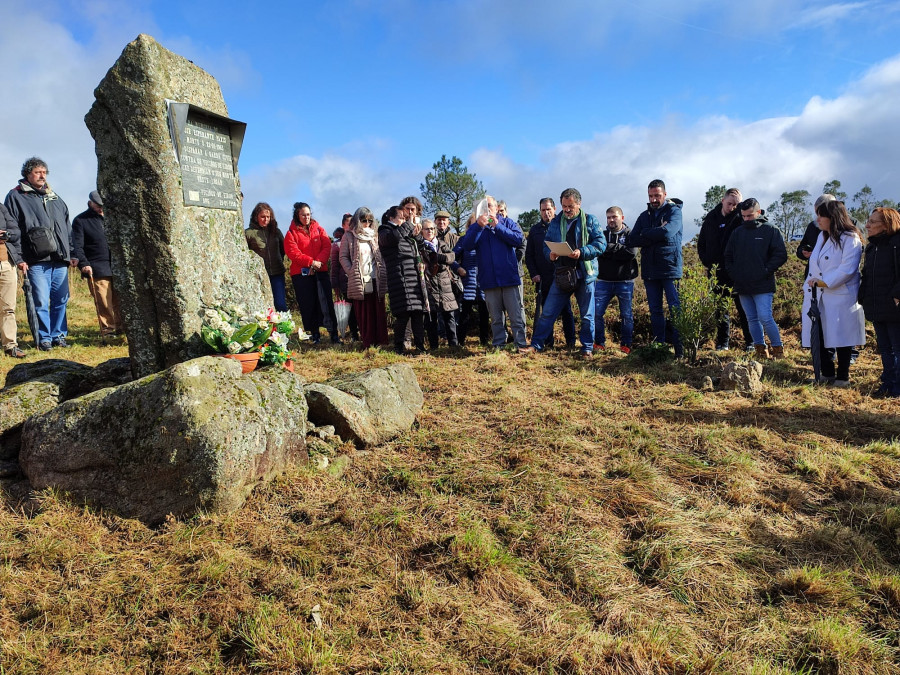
(198, 436)
(66, 375)
(32, 389)
(368, 408)
(742, 377)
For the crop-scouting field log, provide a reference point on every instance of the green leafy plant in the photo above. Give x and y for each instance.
(232, 331)
(695, 319)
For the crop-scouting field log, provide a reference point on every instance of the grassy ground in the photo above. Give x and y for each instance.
(546, 515)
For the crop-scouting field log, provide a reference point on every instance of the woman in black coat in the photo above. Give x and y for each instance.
(400, 242)
(879, 294)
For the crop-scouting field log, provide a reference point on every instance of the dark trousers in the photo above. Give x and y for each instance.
(279, 295)
(843, 359)
(888, 335)
(307, 289)
(465, 321)
(723, 326)
(416, 320)
(431, 326)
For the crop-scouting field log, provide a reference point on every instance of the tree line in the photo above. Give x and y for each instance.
(793, 211)
(449, 186)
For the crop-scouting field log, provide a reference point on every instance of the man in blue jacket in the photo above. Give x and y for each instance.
(540, 269)
(573, 273)
(657, 233)
(494, 238)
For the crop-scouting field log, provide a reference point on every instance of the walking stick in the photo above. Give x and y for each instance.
(93, 290)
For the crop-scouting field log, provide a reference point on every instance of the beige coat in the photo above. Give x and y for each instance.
(350, 262)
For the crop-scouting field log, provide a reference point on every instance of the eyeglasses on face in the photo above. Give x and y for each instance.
(367, 220)
(427, 229)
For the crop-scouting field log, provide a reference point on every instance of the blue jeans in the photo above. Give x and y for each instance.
(758, 309)
(279, 295)
(662, 330)
(604, 292)
(888, 335)
(50, 292)
(568, 318)
(553, 307)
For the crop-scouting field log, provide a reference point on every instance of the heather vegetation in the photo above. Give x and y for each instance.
(546, 515)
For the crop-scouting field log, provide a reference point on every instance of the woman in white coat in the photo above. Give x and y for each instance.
(834, 269)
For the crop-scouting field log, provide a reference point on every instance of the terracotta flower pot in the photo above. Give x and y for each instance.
(248, 361)
(289, 364)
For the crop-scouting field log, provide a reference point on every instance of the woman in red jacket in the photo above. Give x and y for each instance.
(309, 249)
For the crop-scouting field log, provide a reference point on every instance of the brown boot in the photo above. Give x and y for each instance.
(761, 352)
(777, 352)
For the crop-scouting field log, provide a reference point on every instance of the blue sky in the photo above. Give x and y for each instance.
(350, 103)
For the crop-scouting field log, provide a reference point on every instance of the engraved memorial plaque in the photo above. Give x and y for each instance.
(207, 147)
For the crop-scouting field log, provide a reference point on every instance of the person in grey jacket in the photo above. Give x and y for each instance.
(47, 249)
(754, 251)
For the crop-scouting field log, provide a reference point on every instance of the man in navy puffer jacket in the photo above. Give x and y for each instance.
(657, 233)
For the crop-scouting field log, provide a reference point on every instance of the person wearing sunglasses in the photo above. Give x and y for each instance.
(442, 302)
(361, 260)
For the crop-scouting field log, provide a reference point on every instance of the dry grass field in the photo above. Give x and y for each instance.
(546, 515)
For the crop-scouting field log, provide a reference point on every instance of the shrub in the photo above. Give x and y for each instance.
(695, 319)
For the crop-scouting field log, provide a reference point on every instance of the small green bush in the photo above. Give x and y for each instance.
(695, 319)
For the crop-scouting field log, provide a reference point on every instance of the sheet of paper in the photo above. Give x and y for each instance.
(559, 248)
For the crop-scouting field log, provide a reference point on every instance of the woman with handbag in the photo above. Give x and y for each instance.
(834, 269)
(361, 261)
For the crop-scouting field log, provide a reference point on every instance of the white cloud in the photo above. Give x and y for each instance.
(828, 15)
(47, 90)
(851, 137)
(338, 182)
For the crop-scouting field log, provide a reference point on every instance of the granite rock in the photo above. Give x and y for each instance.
(198, 436)
(169, 260)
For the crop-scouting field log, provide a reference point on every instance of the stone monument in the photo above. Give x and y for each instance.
(167, 170)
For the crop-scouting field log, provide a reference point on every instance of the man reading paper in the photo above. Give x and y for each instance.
(575, 270)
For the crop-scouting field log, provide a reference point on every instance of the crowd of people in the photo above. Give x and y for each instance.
(438, 283)
(40, 240)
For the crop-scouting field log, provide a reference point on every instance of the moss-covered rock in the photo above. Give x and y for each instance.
(198, 436)
(370, 407)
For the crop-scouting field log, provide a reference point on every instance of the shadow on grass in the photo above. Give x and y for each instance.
(845, 425)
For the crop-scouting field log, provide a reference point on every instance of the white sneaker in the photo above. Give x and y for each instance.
(843, 384)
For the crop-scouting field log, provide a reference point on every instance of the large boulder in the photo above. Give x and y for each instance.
(32, 389)
(66, 375)
(196, 436)
(368, 408)
(169, 259)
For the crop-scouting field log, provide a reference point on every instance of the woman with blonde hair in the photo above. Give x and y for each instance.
(834, 272)
(879, 294)
(361, 260)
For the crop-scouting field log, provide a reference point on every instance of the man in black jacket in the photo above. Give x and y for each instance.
(46, 247)
(540, 269)
(754, 251)
(715, 231)
(94, 260)
(617, 269)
